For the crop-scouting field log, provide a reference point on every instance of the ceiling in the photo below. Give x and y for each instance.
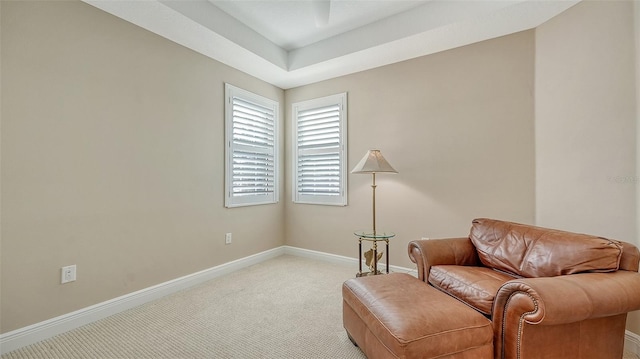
(291, 43)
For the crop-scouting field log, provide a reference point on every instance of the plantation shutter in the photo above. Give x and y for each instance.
(251, 141)
(320, 142)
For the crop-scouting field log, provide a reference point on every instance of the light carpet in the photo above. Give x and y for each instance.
(286, 307)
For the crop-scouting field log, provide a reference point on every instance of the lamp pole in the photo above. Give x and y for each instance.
(373, 186)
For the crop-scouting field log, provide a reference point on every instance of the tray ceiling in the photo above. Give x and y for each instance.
(290, 43)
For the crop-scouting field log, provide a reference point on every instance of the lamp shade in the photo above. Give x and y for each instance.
(373, 162)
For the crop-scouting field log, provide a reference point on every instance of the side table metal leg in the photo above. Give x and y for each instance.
(375, 257)
(359, 257)
(387, 255)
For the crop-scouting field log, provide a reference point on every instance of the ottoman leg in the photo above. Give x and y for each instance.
(351, 338)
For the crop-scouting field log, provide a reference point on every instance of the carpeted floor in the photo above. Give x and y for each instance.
(258, 312)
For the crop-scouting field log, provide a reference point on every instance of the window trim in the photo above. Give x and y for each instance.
(230, 201)
(337, 99)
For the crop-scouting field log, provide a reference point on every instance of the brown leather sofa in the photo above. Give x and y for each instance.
(548, 293)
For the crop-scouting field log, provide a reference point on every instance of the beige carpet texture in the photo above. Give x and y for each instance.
(287, 307)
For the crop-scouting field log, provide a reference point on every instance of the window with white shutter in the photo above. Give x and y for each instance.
(319, 150)
(251, 142)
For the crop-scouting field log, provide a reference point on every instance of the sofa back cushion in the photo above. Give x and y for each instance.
(531, 251)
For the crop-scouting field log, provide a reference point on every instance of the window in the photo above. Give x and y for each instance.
(251, 142)
(319, 148)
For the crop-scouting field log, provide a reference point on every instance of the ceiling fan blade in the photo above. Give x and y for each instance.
(321, 9)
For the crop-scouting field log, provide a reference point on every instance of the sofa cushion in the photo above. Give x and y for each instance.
(475, 286)
(540, 252)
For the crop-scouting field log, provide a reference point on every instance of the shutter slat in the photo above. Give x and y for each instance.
(318, 112)
(311, 122)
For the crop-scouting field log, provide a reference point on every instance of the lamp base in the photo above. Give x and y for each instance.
(366, 274)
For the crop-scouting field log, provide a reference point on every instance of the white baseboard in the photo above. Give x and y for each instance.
(334, 258)
(34, 333)
(632, 342)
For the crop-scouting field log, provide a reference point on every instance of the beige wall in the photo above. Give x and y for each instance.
(633, 320)
(458, 127)
(636, 18)
(586, 122)
(112, 159)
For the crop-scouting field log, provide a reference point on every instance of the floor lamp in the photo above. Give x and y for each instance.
(373, 163)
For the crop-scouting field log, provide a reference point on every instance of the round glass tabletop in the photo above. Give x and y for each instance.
(376, 235)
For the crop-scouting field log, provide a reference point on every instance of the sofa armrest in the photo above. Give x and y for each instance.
(429, 252)
(560, 300)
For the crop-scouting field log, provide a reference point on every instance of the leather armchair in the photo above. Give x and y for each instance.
(576, 315)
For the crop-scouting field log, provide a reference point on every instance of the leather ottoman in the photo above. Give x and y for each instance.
(398, 316)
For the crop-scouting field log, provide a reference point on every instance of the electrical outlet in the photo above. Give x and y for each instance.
(425, 238)
(68, 274)
(227, 238)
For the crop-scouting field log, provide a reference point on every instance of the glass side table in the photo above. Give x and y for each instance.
(375, 238)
